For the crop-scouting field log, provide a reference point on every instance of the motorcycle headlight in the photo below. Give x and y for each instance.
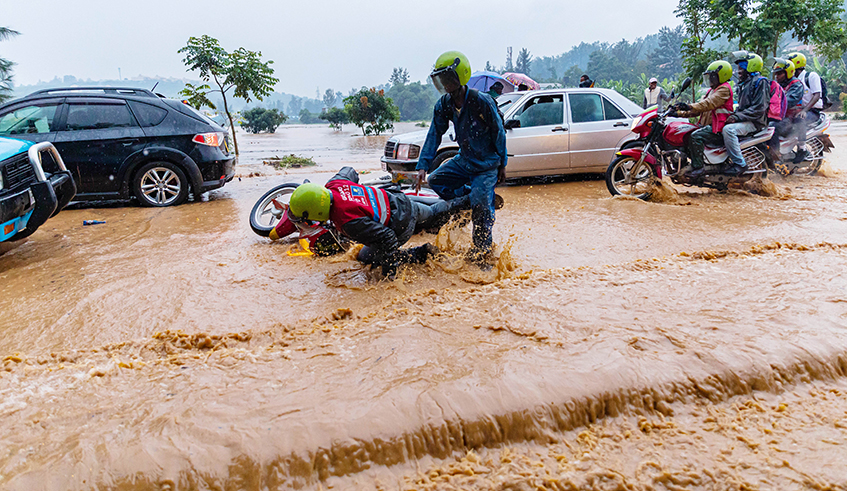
(635, 122)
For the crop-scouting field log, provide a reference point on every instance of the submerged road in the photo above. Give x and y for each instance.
(175, 348)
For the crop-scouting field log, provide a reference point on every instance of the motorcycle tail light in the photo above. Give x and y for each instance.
(209, 139)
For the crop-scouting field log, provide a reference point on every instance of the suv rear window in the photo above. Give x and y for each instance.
(148, 114)
(98, 116)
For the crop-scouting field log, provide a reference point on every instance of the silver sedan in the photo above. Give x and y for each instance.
(549, 132)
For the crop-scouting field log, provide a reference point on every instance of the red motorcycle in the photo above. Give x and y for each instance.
(660, 151)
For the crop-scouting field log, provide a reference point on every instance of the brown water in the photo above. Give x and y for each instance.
(615, 344)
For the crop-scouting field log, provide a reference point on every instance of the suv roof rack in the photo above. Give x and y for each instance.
(106, 90)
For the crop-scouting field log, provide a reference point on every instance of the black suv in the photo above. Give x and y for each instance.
(122, 142)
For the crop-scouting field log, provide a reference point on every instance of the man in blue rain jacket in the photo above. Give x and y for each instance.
(481, 162)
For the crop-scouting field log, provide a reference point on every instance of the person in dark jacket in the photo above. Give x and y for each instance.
(381, 220)
(480, 165)
(783, 72)
(751, 115)
(585, 82)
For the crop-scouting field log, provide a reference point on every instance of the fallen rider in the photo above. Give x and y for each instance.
(382, 220)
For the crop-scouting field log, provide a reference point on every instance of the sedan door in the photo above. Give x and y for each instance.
(97, 136)
(540, 145)
(597, 125)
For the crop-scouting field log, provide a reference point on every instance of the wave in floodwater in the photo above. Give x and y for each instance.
(431, 374)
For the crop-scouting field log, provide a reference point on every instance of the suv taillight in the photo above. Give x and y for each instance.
(210, 139)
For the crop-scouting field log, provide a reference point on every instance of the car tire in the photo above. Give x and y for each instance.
(160, 184)
(442, 157)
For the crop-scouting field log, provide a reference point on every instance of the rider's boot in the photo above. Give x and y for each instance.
(800, 156)
(733, 169)
(691, 172)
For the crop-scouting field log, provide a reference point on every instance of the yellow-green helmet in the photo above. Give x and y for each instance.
(754, 61)
(799, 60)
(722, 68)
(450, 68)
(780, 64)
(310, 202)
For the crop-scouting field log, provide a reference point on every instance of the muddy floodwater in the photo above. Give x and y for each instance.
(698, 342)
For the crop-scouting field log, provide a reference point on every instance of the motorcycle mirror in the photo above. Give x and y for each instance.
(685, 84)
(673, 94)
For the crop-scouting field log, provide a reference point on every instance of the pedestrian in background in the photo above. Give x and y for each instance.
(653, 93)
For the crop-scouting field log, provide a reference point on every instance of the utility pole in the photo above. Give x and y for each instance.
(509, 66)
(119, 73)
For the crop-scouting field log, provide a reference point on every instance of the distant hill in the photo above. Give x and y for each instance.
(168, 87)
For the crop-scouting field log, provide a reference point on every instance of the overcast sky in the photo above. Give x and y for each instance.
(313, 43)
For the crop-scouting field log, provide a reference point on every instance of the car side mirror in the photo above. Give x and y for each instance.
(512, 123)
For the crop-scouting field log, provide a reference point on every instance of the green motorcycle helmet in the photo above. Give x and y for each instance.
(720, 68)
(780, 64)
(310, 201)
(753, 63)
(799, 60)
(452, 70)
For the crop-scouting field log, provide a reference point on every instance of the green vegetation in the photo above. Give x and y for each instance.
(289, 162)
(6, 67)
(307, 117)
(241, 71)
(257, 120)
(371, 110)
(336, 117)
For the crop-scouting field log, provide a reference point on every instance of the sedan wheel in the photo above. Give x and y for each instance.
(161, 184)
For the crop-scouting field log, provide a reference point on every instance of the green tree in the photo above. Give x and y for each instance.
(308, 117)
(6, 67)
(696, 57)
(759, 25)
(489, 68)
(197, 96)
(522, 65)
(666, 60)
(295, 105)
(243, 72)
(335, 117)
(329, 98)
(400, 76)
(259, 119)
(415, 101)
(571, 76)
(371, 111)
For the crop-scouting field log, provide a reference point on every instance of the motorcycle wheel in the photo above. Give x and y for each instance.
(267, 211)
(616, 173)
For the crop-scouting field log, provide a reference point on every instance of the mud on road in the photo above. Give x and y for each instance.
(697, 343)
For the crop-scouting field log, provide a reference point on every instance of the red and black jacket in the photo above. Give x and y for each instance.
(380, 219)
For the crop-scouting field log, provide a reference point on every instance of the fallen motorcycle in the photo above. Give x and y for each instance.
(272, 206)
(660, 151)
(817, 142)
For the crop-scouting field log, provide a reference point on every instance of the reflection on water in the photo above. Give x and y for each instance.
(614, 343)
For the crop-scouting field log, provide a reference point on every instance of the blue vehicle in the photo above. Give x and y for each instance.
(34, 186)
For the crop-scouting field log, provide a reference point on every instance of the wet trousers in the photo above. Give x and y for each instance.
(697, 145)
(423, 214)
(802, 124)
(731, 132)
(457, 178)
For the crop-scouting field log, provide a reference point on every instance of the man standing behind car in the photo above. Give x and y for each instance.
(481, 161)
(653, 93)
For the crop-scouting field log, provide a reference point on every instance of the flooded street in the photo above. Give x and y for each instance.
(695, 343)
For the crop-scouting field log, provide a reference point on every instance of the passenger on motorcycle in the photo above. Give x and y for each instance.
(752, 112)
(783, 71)
(812, 103)
(382, 220)
(713, 111)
